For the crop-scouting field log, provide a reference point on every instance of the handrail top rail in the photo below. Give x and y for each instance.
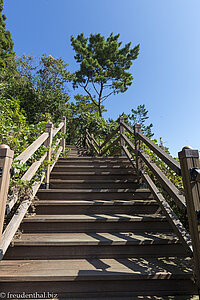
(30, 150)
(109, 137)
(169, 160)
(130, 130)
(56, 130)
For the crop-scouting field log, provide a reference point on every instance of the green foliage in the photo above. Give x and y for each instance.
(42, 87)
(140, 115)
(6, 43)
(83, 104)
(103, 66)
(14, 129)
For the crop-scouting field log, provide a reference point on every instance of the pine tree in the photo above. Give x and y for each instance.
(103, 66)
(6, 42)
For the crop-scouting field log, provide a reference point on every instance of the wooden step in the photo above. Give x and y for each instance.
(101, 169)
(100, 158)
(109, 184)
(99, 245)
(95, 223)
(93, 175)
(103, 277)
(94, 194)
(95, 206)
(91, 161)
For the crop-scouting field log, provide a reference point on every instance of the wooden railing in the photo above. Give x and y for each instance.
(6, 158)
(188, 169)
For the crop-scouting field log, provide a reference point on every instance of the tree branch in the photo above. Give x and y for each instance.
(95, 88)
(91, 98)
(105, 97)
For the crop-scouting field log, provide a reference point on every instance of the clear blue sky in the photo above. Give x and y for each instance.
(166, 73)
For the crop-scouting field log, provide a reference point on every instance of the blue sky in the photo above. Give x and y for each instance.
(166, 73)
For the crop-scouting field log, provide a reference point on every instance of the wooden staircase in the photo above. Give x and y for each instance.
(96, 234)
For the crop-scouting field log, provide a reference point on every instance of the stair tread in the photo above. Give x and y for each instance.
(96, 202)
(101, 190)
(79, 181)
(115, 238)
(96, 269)
(94, 218)
(92, 166)
(92, 173)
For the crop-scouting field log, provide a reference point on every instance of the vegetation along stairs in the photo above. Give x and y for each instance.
(98, 233)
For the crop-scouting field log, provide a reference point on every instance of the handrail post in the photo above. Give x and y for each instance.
(100, 148)
(92, 142)
(63, 130)
(48, 142)
(6, 157)
(86, 140)
(139, 163)
(121, 129)
(189, 160)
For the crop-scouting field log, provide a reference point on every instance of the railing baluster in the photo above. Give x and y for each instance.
(139, 162)
(189, 161)
(63, 130)
(48, 142)
(6, 157)
(122, 142)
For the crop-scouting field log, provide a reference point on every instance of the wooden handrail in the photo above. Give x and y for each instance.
(48, 143)
(28, 152)
(170, 161)
(165, 182)
(111, 145)
(6, 157)
(131, 131)
(169, 213)
(130, 144)
(189, 160)
(33, 168)
(56, 130)
(109, 137)
(94, 140)
(63, 130)
(129, 156)
(5, 163)
(90, 138)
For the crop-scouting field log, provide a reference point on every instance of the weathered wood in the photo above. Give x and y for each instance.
(26, 154)
(170, 161)
(56, 130)
(189, 159)
(110, 146)
(130, 144)
(139, 162)
(130, 157)
(48, 143)
(121, 129)
(169, 213)
(109, 137)
(63, 139)
(57, 156)
(130, 130)
(26, 177)
(33, 168)
(16, 220)
(93, 142)
(90, 143)
(6, 157)
(165, 182)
